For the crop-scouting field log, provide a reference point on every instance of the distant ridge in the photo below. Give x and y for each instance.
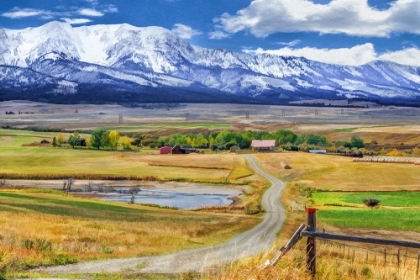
(123, 63)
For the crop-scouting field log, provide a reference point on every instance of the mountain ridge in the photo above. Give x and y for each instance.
(135, 61)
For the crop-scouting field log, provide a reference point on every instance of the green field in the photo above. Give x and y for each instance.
(396, 211)
(394, 199)
(392, 219)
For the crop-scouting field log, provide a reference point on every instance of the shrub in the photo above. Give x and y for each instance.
(371, 202)
(252, 208)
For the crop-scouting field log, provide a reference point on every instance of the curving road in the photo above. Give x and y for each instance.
(245, 244)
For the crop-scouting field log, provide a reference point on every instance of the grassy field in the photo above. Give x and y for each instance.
(344, 209)
(340, 212)
(69, 229)
(17, 158)
(393, 199)
(335, 173)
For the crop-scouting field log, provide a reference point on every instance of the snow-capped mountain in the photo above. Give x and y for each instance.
(127, 63)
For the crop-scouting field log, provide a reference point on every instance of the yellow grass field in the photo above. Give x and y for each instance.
(44, 227)
(19, 159)
(324, 172)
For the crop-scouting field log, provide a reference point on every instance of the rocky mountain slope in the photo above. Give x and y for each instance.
(123, 63)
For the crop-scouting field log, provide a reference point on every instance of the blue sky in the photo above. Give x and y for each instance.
(339, 31)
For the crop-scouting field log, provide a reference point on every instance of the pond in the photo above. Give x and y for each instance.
(172, 199)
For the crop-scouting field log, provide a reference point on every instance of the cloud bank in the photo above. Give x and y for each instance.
(357, 55)
(352, 17)
(184, 31)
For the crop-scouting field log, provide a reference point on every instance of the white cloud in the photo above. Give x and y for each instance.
(357, 55)
(22, 13)
(90, 12)
(61, 11)
(409, 56)
(73, 21)
(218, 35)
(111, 9)
(355, 17)
(184, 31)
(290, 44)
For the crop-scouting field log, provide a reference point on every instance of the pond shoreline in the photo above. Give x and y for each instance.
(80, 186)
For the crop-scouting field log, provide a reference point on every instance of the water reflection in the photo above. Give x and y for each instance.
(171, 199)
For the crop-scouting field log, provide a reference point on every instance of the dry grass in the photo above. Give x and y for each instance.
(42, 160)
(340, 173)
(334, 261)
(84, 229)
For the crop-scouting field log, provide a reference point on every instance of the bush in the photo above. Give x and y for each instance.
(371, 202)
(253, 208)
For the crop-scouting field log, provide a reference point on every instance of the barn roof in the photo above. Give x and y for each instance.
(165, 147)
(263, 143)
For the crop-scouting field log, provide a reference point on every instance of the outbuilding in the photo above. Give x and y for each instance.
(321, 152)
(264, 145)
(165, 150)
(177, 150)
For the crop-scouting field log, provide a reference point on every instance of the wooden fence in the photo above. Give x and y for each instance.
(310, 232)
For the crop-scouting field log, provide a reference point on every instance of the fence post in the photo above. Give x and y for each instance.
(398, 258)
(311, 242)
(418, 262)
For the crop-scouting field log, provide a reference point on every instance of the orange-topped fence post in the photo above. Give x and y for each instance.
(311, 243)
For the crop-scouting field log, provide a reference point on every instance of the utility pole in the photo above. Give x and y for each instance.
(120, 118)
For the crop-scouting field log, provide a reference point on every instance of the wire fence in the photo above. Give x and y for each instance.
(408, 259)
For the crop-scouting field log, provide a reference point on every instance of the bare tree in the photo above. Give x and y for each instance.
(134, 190)
(67, 184)
(89, 186)
(100, 187)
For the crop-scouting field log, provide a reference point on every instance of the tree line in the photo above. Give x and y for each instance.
(101, 138)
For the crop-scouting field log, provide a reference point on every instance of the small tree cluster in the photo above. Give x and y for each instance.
(68, 183)
(101, 138)
(371, 202)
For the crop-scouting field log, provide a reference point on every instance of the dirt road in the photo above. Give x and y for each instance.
(245, 244)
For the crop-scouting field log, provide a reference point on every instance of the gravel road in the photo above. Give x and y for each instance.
(249, 243)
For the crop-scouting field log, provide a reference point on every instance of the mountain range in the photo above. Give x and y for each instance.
(123, 63)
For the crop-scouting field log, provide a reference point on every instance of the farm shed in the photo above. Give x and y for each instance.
(264, 145)
(165, 150)
(177, 150)
(321, 152)
(82, 142)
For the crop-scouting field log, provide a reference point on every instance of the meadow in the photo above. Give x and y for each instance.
(333, 184)
(19, 157)
(49, 227)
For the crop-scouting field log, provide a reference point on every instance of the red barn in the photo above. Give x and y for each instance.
(165, 150)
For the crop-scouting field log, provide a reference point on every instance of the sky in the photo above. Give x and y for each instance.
(350, 32)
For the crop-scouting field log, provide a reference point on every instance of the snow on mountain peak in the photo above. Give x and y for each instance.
(127, 56)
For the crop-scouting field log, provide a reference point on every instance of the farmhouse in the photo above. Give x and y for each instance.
(165, 150)
(264, 145)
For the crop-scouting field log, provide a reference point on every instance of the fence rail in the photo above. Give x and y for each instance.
(310, 232)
